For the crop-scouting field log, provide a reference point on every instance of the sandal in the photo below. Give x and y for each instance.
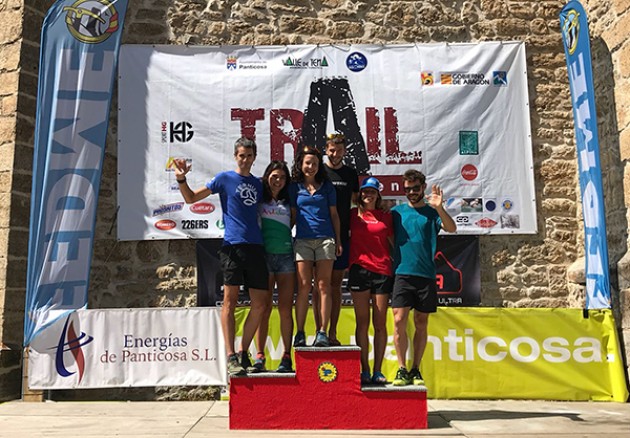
(378, 377)
(365, 378)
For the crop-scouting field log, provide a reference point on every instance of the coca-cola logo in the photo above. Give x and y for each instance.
(165, 224)
(469, 172)
(202, 208)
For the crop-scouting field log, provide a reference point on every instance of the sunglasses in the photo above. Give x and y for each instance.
(336, 138)
(411, 189)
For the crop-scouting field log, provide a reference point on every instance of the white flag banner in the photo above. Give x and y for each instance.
(457, 112)
(130, 348)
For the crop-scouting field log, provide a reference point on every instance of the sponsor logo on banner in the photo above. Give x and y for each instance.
(219, 224)
(170, 163)
(499, 78)
(469, 172)
(510, 221)
(305, 63)
(464, 79)
(165, 224)
(468, 143)
(472, 205)
(231, 63)
(491, 205)
(463, 220)
(69, 341)
(164, 132)
(181, 132)
(188, 224)
(427, 77)
(356, 62)
(91, 21)
(507, 204)
(486, 222)
(202, 208)
(571, 30)
(327, 372)
(168, 208)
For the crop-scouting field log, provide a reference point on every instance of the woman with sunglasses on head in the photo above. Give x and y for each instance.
(371, 275)
(276, 224)
(313, 204)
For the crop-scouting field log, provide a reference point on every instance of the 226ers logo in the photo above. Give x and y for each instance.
(91, 21)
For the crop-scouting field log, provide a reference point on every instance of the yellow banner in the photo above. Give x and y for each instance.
(490, 353)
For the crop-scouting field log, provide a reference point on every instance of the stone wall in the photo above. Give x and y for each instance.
(541, 270)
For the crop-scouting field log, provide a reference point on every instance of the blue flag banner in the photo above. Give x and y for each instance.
(79, 50)
(578, 53)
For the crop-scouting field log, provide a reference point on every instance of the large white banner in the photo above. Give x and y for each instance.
(457, 112)
(130, 347)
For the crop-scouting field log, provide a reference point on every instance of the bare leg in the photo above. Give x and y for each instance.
(286, 287)
(421, 321)
(315, 301)
(230, 296)
(263, 328)
(335, 289)
(257, 309)
(400, 334)
(323, 274)
(379, 321)
(362, 315)
(304, 277)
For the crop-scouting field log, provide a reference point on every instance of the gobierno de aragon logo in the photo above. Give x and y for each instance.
(91, 21)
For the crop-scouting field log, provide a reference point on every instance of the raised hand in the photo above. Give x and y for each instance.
(436, 197)
(181, 168)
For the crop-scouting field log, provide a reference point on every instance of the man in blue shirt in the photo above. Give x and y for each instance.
(416, 226)
(242, 251)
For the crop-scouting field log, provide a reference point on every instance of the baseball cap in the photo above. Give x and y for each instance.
(371, 183)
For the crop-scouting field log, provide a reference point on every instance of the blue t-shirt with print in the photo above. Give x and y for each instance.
(239, 196)
(312, 219)
(415, 240)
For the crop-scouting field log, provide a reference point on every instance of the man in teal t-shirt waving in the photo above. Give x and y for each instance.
(416, 226)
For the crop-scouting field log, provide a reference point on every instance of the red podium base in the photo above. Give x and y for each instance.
(324, 393)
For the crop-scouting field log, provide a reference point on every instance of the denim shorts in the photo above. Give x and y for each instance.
(315, 249)
(280, 263)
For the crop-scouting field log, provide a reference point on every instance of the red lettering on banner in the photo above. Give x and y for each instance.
(248, 118)
(286, 127)
(373, 128)
(392, 149)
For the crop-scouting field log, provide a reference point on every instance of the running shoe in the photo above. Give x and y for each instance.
(246, 363)
(234, 366)
(402, 377)
(300, 339)
(321, 340)
(378, 377)
(286, 366)
(259, 363)
(416, 377)
(365, 378)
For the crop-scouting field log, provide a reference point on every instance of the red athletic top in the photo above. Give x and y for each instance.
(369, 246)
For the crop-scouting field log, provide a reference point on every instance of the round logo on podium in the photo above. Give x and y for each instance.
(327, 372)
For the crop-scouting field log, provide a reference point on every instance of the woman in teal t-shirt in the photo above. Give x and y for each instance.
(275, 215)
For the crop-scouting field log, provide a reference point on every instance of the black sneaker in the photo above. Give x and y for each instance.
(321, 340)
(402, 377)
(416, 377)
(300, 339)
(286, 366)
(246, 362)
(234, 366)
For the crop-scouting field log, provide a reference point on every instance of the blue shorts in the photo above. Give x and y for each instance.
(280, 263)
(343, 261)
